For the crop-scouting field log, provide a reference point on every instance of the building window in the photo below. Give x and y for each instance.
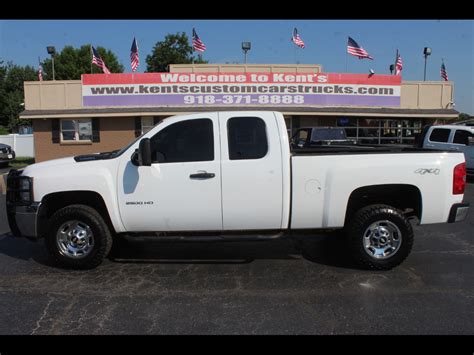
(76, 130)
(147, 124)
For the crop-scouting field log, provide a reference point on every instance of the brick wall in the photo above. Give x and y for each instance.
(115, 133)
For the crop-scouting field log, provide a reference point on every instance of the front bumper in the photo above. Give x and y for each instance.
(23, 212)
(458, 212)
(23, 220)
(6, 157)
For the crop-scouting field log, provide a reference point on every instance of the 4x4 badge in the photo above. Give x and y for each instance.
(427, 171)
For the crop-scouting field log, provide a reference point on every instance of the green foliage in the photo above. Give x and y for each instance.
(175, 49)
(71, 62)
(463, 117)
(12, 93)
(21, 162)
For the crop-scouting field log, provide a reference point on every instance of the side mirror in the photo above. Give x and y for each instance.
(142, 155)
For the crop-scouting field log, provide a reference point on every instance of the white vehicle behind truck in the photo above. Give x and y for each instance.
(232, 176)
(451, 137)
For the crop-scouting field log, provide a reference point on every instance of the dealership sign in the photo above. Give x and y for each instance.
(240, 89)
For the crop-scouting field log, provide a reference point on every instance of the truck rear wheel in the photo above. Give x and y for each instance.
(78, 237)
(381, 237)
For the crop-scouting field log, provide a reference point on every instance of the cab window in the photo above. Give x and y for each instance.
(440, 135)
(247, 138)
(462, 137)
(185, 141)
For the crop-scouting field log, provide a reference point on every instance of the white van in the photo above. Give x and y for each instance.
(452, 137)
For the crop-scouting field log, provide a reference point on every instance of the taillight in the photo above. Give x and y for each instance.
(459, 179)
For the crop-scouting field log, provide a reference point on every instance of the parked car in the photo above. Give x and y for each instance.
(6, 154)
(450, 137)
(315, 136)
(232, 176)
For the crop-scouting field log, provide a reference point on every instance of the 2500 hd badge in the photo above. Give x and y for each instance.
(139, 203)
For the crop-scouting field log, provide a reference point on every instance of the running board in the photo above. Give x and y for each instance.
(203, 238)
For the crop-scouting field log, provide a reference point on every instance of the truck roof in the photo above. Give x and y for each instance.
(454, 126)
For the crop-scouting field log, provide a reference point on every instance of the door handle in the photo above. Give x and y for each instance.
(202, 176)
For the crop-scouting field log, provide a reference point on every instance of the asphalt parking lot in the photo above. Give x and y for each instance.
(277, 287)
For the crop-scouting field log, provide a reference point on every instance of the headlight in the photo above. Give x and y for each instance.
(19, 188)
(26, 189)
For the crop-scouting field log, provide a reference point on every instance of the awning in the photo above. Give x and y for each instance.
(286, 110)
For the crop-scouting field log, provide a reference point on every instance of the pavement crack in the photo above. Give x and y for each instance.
(45, 311)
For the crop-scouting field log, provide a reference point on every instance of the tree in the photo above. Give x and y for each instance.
(71, 62)
(463, 117)
(12, 78)
(175, 49)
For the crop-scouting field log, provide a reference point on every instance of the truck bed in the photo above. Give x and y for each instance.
(360, 149)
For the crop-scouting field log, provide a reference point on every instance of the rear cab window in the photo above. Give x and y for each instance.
(247, 138)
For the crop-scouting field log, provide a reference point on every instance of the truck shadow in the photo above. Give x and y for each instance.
(326, 250)
(23, 249)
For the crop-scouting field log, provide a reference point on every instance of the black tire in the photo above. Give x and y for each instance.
(101, 236)
(361, 221)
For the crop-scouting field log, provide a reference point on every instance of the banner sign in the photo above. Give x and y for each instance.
(240, 89)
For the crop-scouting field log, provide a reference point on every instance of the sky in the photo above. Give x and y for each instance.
(23, 41)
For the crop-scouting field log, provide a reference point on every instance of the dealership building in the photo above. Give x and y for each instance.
(105, 112)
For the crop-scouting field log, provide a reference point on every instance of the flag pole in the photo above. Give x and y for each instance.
(134, 40)
(346, 60)
(346, 56)
(91, 59)
(396, 60)
(192, 46)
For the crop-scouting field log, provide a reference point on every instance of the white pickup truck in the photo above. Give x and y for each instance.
(231, 175)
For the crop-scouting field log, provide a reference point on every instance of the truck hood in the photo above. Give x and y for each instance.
(49, 164)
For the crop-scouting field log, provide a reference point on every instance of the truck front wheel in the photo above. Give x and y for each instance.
(78, 237)
(381, 237)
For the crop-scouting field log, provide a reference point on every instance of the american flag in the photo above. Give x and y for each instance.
(356, 50)
(197, 43)
(97, 60)
(398, 65)
(134, 55)
(443, 72)
(297, 39)
(40, 71)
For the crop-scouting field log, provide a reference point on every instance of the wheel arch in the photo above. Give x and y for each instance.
(55, 201)
(404, 197)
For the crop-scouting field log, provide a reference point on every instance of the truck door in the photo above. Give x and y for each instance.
(252, 173)
(181, 190)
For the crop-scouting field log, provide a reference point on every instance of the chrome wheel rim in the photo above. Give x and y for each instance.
(75, 239)
(382, 239)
